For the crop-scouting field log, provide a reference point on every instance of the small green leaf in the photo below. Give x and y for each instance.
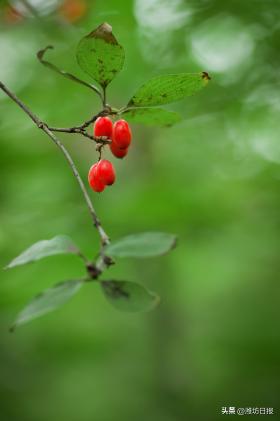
(47, 301)
(100, 55)
(60, 244)
(129, 296)
(146, 244)
(168, 88)
(152, 116)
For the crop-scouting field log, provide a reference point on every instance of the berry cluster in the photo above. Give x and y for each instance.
(102, 173)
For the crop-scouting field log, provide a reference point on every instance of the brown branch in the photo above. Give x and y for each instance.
(43, 126)
(72, 130)
(81, 129)
(105, 112)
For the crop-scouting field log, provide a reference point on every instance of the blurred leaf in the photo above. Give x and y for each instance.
(168, 88)
(146, 244)
(47, 301)
(60, 244)
(152, 116)
(100, 55)
(129, 296)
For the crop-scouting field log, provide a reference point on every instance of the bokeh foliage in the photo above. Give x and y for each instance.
(213, 179)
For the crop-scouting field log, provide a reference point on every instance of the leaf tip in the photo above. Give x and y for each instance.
(10, 265)
(105, 27)
(104, 32)
(206, 76)
(41, 53)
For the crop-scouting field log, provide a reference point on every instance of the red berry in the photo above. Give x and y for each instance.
(122, 134)
(103, 127)
(117, 152)
(105, 172)
(94, 181)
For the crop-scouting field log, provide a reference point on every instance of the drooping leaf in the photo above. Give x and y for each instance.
(60, 244)
(152, 116)
(129, 296)
(168, 88)
(47, 301)
(146, 244)
(100, 55)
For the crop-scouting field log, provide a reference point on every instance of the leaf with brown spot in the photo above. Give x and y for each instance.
(168, 88)
(100, 55)
(129, 296)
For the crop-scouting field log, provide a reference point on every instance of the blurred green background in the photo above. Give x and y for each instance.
(212, 179)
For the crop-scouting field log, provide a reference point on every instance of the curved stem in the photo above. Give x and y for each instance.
(41, 125)
(76, 130)
(40, 56)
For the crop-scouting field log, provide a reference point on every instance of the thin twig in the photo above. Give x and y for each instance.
(40, 56)
(41, 125)
(106, 112)
(81, 129)
(77, 130)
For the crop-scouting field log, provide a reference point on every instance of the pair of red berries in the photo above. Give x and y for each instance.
(119, 134)
(102, 173)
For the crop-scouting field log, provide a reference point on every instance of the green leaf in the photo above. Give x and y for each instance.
(100, 55)
(129, 296)
(152, 116)
(47, 301)
(60, 244)
(168, 88)
(146, 244)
